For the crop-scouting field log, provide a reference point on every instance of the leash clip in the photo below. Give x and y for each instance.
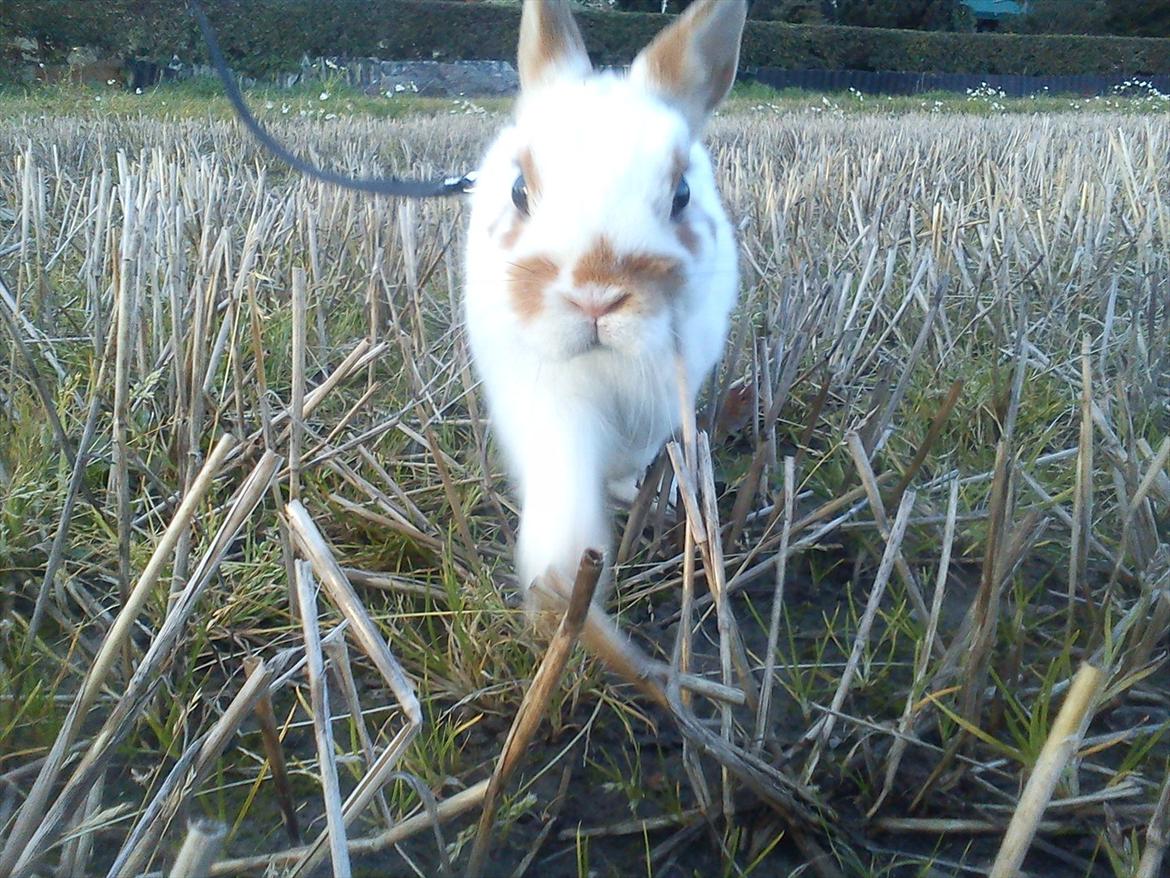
(464, 185)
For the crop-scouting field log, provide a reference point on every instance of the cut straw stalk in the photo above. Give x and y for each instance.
(341, 593)
(682, 654)
(861, 460)
(1062, 742)
(457, 804)
(777, 604)
(199, 758)
(1082, 514)
(953, 826)
(705, 531)
(731, 649)
(322, 724)
(147, 675)
(297, 404)
(60, 538)
(932, 434)
(77, 847)
(851, 502)
(43, 389)
(787, 796)
(1157, 836)
(200, 849)
(310, 540)
(13, 311)
(274, 751)
(977, 639)
(34, 805)
(877, 427)
(454, 501)
(639, 511)
(902, 738)
(603, 639)
(362, 355)
(821, 731)
(125, 318)
(339, 661)
(746, 493)
(536, 699)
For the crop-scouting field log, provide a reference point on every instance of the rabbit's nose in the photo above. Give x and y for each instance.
(597, 306)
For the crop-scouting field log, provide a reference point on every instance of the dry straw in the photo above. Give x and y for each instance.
(929, 478)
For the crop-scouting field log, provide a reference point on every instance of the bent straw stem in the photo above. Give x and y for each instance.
(536, 699)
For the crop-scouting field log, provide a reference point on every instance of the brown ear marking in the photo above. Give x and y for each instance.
(601, 265)
(550, 43)
(666, 56)
(692, 63)
(722, 79)
(527, 280)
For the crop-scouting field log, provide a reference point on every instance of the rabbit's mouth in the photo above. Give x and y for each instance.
(588, 343)
(629, 333)
(594, 340)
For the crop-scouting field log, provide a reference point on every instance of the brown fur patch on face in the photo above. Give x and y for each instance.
(531, 175)
(712, 229)
(640, 274)
(512, 233)
(688, 238)
(527, 280)
(506, 229)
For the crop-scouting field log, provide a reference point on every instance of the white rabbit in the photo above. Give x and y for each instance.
(597, 241)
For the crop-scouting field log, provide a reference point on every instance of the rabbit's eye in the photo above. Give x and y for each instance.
(682, 196)
(520, 195)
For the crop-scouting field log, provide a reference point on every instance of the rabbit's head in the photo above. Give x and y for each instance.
(595, 216)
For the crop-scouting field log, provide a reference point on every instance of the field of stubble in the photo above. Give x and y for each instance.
(935, 510)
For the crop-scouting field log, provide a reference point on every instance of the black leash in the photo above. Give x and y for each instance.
(372, 185)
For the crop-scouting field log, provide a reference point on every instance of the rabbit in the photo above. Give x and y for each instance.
(597, 246)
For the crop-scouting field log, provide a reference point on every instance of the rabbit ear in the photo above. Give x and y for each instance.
(550, 44)
(691, 65)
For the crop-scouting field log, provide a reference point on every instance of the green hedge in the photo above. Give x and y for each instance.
(263, 36)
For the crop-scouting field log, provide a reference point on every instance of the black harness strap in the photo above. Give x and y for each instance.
(371, 185)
